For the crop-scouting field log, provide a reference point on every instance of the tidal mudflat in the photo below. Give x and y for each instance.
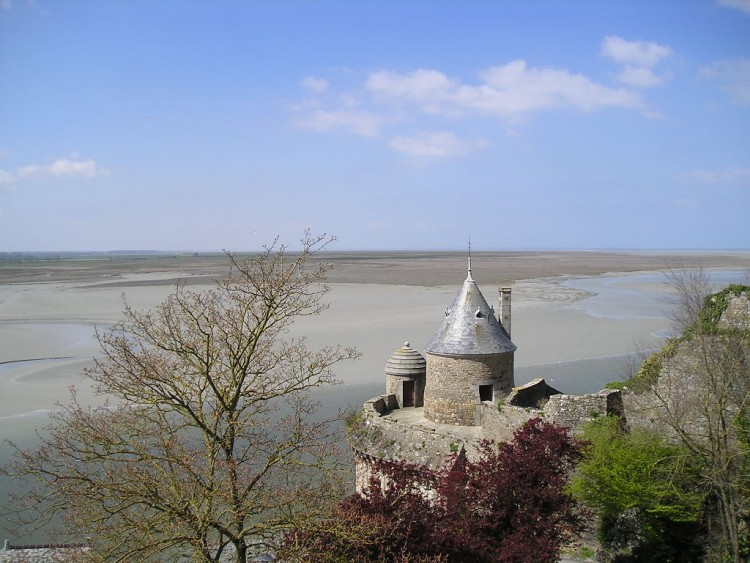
(578, 318)
(567, 306)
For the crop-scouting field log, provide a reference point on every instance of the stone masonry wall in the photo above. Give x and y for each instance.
(452, 386)
(574, 410)
(394, 386)
(534, 394)
(501, 425)
(379, 436)
(40, 554)
(737, 313)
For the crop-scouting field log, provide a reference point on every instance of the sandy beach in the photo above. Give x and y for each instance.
(49, 309)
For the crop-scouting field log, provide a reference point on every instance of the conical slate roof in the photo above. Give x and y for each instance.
(406, 362)
(470, 327)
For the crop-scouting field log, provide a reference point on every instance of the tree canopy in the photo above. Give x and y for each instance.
(206, 445)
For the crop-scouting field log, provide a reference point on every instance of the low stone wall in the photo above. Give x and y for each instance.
(574, 410)
(500, 425)
(534, 394)
(384, 438)
(41, 554)
(416, 440)
(737, 313)
(381, 405)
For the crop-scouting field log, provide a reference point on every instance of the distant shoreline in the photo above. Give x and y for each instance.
(427, 269)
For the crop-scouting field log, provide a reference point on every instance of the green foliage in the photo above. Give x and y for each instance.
(708, 323)
(353, 420)
(715, 305)
(649, 372)
(640, 476)
(500, 405)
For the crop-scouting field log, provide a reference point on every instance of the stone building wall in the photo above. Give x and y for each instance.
(452, 386)
(378, 436)
(394, 385)
(574, 410)
(382, 434)
(571, 411)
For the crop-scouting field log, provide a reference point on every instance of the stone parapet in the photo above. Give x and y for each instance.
(534, 394)
(574, 410)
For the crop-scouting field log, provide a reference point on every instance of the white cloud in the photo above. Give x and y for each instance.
(28, 170)
(6, 178)
(734, 74)
(640, 77)
(8, 5)
(435, 144)
(427, 88)
(638, 59)
(359, 122)
(63, 168)
(635, 53)
(726, 176)
(509, 91)
(742, 5)
(314, 84)
(420, 99)
(514, 88)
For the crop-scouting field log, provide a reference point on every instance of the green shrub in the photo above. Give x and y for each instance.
(645, 490)
(715, 305)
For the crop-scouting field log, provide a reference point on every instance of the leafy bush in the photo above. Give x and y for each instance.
(643, 489)
(715, 305)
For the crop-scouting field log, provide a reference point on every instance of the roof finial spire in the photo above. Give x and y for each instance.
(468, 275)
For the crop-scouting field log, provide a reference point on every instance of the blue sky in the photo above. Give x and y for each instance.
(201, 125)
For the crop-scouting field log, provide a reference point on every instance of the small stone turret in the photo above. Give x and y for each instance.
(469, 360)
(405, 377)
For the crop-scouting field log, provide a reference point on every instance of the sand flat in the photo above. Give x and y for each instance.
(50, 312)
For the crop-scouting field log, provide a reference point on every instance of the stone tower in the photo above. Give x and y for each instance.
(469, 360)
(405, 377)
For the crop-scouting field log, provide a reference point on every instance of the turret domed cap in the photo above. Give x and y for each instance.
(470, 327)
(406, 362)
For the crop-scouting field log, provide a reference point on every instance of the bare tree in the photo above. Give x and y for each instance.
(207, 446)
(700, 396)
(691, 287)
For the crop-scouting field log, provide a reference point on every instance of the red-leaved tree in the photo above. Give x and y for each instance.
(509, 505)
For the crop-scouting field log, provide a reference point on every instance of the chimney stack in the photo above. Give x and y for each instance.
(504, 317)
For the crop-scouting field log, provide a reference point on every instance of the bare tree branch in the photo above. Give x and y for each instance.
(207, 440)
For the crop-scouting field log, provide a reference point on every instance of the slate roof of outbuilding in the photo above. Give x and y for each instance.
(470, 327)
(406, 362)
